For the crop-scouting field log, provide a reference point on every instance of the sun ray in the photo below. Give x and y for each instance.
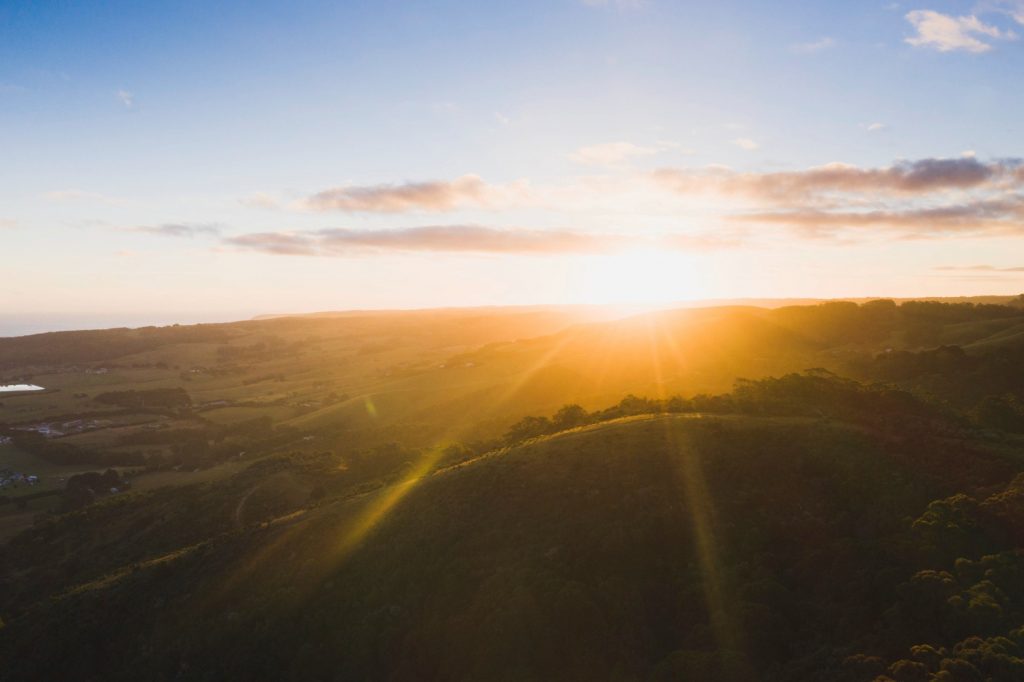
(524, 377)
(719, 596)
(386, 501)
(699, 502)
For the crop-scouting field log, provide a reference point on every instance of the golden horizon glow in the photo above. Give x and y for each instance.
(642, 276)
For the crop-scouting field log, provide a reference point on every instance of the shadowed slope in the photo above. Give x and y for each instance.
(648, 547)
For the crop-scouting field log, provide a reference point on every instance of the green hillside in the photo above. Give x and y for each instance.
(646, 547)
(331, 503)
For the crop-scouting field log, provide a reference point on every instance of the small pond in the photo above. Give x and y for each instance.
(12, 388)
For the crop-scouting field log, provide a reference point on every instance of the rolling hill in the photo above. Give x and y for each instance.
(412, 497)
(650, 547)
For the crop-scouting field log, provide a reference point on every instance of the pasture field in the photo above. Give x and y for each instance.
(51, 476)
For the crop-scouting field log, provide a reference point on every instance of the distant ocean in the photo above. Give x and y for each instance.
(21, 325)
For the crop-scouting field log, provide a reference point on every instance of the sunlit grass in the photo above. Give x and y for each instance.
(375, 512)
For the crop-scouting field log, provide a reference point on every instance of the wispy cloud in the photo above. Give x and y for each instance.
(977, 268)
(611, 153)
(261, 200)
(452, 238)
(8, 223)
(73, 195)
(179, 229)
(444, 107)
(993, 218)
(463, 238)
(435, 196)
(126, 98)
(1012, 8)
(818, 45)
(746, 143)
(874, 127)
(910, 177)
(947, 33)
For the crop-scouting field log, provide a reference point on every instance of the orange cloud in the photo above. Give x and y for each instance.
(906, 177)
(462, 238)
(423, 196)
(178, 229)
(977, 268)
(995, 218)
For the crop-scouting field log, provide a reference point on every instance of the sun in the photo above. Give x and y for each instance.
(642, 275)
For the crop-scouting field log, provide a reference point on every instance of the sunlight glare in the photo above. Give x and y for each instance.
(640, 276)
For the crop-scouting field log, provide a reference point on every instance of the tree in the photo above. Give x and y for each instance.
(570, 416)
(528, 427)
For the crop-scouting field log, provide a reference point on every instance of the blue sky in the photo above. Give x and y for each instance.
(232, 158)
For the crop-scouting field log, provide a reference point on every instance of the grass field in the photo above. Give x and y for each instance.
(50, 475)
(160, 479)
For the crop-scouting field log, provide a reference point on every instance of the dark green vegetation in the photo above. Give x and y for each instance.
(469, 496)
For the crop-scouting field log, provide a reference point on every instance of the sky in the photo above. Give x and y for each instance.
(200, 160)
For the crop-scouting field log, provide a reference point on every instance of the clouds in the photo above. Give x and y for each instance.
(261, 200)
(1012, 8)
(746, 143)
(435, 196)
(179, 229)
(466, 239)
(126, 98)
(924, 175)
(694, 208)
(926, 198)
(977, 268)
(445, 238)
(981, 218)
(947, 33)
(79, 195)
(905, 177)
(611, 153)
(819, 45)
